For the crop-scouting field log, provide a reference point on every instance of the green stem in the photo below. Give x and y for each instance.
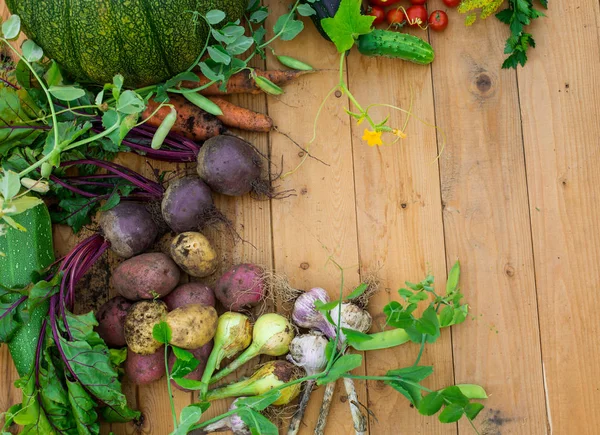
(387, 378)
(278, 34)
(213, 420)
(473, 426)
(246, 356)
(211, 364)
(421, 349)
(93, 138)
(41, 83)
(169, 388)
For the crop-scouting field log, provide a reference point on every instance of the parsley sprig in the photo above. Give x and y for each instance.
(517, 15)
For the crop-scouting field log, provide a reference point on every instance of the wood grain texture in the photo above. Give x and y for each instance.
(487, 227)
(561, 125)
(320, 221)
(399, 223)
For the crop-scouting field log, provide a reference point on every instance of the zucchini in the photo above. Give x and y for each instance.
(396, 45)
(26, 252)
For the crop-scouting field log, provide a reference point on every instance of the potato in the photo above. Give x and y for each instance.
(139, 323)
(190, 293)
(192, 326)
(194, 254)
(111, 321)
(146, 276)
(145, 369)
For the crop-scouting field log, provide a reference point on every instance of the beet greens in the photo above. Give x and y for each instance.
(73, 378)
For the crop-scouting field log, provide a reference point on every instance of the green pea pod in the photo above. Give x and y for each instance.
(290, 62)
(473, 391)
(204, 103)
(267, 85)
(46, 170)
(164, 129)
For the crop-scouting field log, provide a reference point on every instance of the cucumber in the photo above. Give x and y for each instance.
(396, 45)
(26, 252)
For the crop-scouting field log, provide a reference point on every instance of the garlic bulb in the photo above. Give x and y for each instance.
(307, 316)
(352, 317)
(233, 422)
(308, 351)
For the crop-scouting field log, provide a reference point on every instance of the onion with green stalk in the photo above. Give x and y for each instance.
(270, 375)
(271, 336)
(233, 335)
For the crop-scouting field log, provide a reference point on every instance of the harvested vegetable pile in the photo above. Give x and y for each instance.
(58, 140)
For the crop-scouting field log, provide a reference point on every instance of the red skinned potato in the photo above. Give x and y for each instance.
(201, 354)
(190, 293)
(241, 286)
(111, 321)
(146, 276)
(129, 228)
(145, 369)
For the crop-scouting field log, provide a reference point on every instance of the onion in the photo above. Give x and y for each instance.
(233, 335)
(272, 336)
(270, 375)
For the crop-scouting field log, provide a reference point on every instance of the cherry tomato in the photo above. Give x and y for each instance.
(451, 3)
(418, 2)
(378, 12)
(382, 3)
(438, 20)
(395, 16)
(416, 16)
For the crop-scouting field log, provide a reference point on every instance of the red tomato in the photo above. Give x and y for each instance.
(451, 3)
(378, 12)
(395, 16)
(416, 16)
(382, 3)
(438, 20)
(417, 2)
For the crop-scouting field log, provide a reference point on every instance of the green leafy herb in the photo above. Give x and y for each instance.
(347, 25)
(518, 15)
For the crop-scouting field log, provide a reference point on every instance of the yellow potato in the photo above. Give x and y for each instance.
(139, 323)
(194, 254)
(192, 326)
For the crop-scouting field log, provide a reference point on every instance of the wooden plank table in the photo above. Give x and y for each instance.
(514, 195)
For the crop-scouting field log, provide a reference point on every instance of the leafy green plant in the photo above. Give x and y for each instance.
(55, 119)
(518, 15)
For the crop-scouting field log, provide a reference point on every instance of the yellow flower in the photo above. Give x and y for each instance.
(399, 133)
(372, 137)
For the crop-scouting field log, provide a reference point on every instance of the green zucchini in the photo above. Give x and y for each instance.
(26, 252)
(397, 45)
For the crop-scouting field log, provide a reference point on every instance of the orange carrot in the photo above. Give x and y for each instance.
(242, 83)
(240, 117)
(192, 122)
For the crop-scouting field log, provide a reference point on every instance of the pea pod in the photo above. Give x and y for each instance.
(266, 85)
(164, 129)
(46, 170)
(204, 103)
(290, 62)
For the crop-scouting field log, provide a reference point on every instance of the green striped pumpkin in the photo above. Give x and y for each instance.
(147, 41)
